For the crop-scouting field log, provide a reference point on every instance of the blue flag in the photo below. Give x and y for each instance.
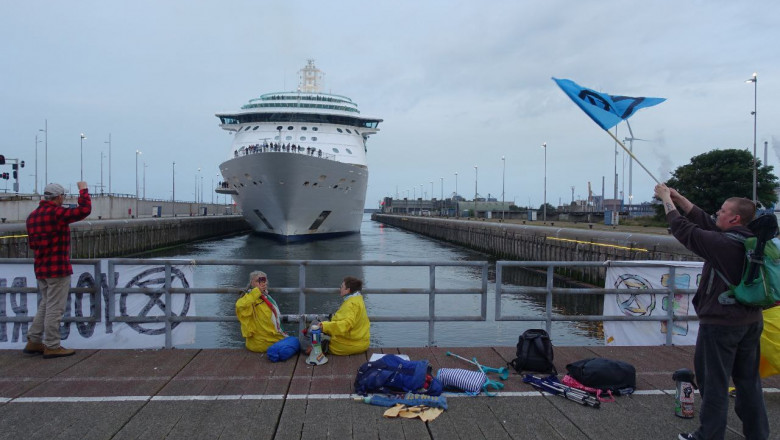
(605, 110)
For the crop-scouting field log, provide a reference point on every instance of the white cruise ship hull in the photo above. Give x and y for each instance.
(296, 196)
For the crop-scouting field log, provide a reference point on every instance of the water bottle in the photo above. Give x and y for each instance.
(683, 397)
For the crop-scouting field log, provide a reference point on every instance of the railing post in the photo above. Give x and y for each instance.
(670, 305)
(168, 307)
(110, 295)
(548, 298)
(484, 291)
(431, 304)
(301, 297)
(499, 288)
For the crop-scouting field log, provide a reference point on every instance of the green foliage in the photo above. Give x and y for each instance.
(714, 176)
(550, 209)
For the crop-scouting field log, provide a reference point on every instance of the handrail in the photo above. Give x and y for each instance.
(109, 291)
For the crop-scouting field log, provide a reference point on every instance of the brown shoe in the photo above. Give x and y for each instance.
(49, 353)
(33, 348)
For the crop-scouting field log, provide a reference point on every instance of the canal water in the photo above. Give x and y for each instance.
(379, 242)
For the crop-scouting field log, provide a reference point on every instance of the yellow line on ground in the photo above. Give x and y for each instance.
(598, 244)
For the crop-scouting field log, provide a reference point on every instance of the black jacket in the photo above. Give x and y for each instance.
(698, 233)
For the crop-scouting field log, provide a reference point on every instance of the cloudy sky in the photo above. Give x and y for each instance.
(459, 84)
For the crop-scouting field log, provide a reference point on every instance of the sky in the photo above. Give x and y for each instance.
(459, 85)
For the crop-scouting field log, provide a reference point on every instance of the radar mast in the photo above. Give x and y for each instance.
(309, 78)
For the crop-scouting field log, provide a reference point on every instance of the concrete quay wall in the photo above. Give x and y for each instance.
(545, 243)
(113, 238)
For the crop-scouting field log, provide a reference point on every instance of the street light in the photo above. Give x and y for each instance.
(544, 206)
(109, 163)
(476, 178)
(754, 80)
(144, 197)
(137, 153)
(503, 181)
(82, 156)
(45, 130)
(457, 206)
(173, 189)
(36, 163)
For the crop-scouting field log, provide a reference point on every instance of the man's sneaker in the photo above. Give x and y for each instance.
(49, 353)
(34, 348)
(686, 436)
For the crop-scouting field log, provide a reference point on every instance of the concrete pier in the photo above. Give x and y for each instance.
(545, 243)
(112, 238)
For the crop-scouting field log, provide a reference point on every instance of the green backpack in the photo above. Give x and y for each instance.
(760, 283)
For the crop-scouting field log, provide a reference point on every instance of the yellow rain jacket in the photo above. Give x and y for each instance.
(770, 343)
(349, 329)
(259, 321)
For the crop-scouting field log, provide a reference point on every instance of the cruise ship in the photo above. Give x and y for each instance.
(297, 166)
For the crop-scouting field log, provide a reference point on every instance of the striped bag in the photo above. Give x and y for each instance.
(470, 382)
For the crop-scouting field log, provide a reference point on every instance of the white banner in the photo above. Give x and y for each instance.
(636, 303)
(103, 334)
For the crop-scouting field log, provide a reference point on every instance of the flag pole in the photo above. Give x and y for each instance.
(632, 156)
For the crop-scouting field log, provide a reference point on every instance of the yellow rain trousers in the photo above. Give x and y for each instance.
(257, 322)
(770, 343)
(349, 329)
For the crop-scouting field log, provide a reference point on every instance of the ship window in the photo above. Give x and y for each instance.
(356, 132)
(303, 138)
(303, 128)
(348, 150)
(276, 138)
(339, 130)
(278, 127)
(335, 150)
(290, 127)
(247, 128)
(306, 183)
(315, 129)
(314, 138)
(289, 138)
(348, 130)
(256, 127)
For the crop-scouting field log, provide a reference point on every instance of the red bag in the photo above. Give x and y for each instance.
(572, 382)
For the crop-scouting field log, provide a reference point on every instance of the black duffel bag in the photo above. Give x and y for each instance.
(604, 374)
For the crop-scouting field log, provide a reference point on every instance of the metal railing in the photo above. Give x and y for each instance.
(549, 290)
(99, 287)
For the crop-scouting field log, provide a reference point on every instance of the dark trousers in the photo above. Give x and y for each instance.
(724, 352)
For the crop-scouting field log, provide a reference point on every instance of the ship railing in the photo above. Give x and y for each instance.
(259, 150)
(94, 290)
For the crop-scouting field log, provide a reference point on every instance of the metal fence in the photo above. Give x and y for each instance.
(99, 287)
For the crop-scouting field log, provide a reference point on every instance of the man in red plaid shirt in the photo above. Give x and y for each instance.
(48, 235)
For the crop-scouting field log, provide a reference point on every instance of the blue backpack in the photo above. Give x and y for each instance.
(392, 375)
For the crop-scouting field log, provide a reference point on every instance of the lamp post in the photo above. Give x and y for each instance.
(421, 198)
(457, 209)
(102, 155)
(544, 206)
(144, 194)
(45, 131)
(503, 182)
(82, 155)
(173, 189)
(36, 163)
(476, 179)
(109, 163)
(754, 80)
(137, 153)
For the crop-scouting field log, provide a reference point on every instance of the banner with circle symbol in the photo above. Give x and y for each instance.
(636, 303)
(103, 334)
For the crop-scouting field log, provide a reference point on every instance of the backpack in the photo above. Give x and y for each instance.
(392, 375)
(607, 375)
(534, 353)
(760, 283)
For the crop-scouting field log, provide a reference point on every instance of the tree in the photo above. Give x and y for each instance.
(550, 209)
(714, 176)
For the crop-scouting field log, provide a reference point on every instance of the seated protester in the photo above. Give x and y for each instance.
(259, 315)
(349, 328)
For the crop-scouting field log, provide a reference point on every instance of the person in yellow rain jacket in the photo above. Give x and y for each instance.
(349, 328)
(259, 315)
(770, 343)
